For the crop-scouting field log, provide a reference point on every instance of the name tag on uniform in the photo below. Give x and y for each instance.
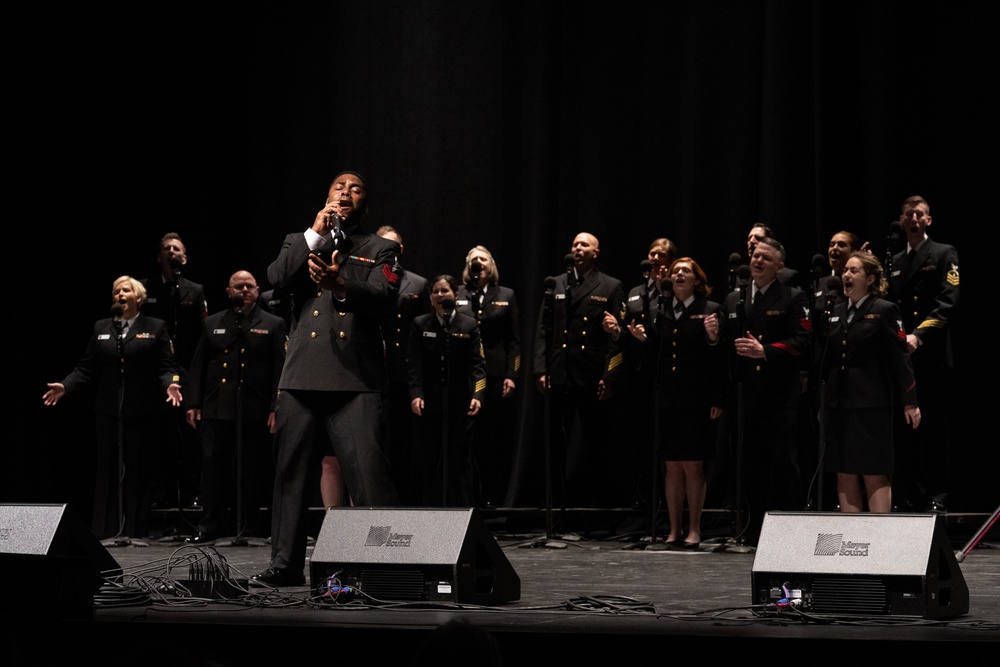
(430, 334)
(732, 316)
(835, 318)
(635, 298)
(561, 296)
(219, 332)
(462, 302)
(103, 336)
(151, 299)
(896, 273)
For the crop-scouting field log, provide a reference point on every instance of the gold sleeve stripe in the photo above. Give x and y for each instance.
(517, 363)
(615, 362)
(480, 385)
(932, 324)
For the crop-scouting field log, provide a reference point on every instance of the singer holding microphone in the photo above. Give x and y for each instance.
(130, 360)
(342, 279)
(234, 374)
(447, 383)
(494, 308)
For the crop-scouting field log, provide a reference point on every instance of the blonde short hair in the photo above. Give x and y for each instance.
(137, 287)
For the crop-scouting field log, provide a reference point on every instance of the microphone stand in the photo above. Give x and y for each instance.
(738, 521)
(548, 327)
(654, 503)
(829, 297)
(240, 540)
(175, 299)
(120, 540)
(449, 313)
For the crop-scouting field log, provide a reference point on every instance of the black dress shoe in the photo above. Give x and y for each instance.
(276, 578)
(201, 537)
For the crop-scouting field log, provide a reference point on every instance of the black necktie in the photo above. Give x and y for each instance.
(851, 312)
(678, 309)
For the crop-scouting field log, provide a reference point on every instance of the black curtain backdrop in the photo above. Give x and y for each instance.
(511, 124)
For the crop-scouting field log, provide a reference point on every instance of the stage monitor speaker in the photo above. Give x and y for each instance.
(52, 564)
(859, 563)
(416, 554)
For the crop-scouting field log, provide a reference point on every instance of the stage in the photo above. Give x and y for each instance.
(607, 593)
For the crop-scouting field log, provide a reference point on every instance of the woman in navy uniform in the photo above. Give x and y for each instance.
(683, 350)
(867, 367)
(447, 382)
(130, 359)
(494, 308)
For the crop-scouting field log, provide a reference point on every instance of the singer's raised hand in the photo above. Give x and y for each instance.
(327, 218)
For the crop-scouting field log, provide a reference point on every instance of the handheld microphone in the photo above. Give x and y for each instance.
(819, 264)
(175, 266)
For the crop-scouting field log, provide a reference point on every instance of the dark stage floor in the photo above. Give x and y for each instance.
(605, 593)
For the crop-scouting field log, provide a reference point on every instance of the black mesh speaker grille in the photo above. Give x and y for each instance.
(404, 584)
(849, 595)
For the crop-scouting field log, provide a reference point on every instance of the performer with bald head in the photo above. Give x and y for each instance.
(234, 374)
(577, 361)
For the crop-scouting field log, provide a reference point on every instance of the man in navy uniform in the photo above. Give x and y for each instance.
(924, 283)
(234, 375)
(580, 370)
(342, 279)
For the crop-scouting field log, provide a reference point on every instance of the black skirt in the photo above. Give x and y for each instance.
(859, 441)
